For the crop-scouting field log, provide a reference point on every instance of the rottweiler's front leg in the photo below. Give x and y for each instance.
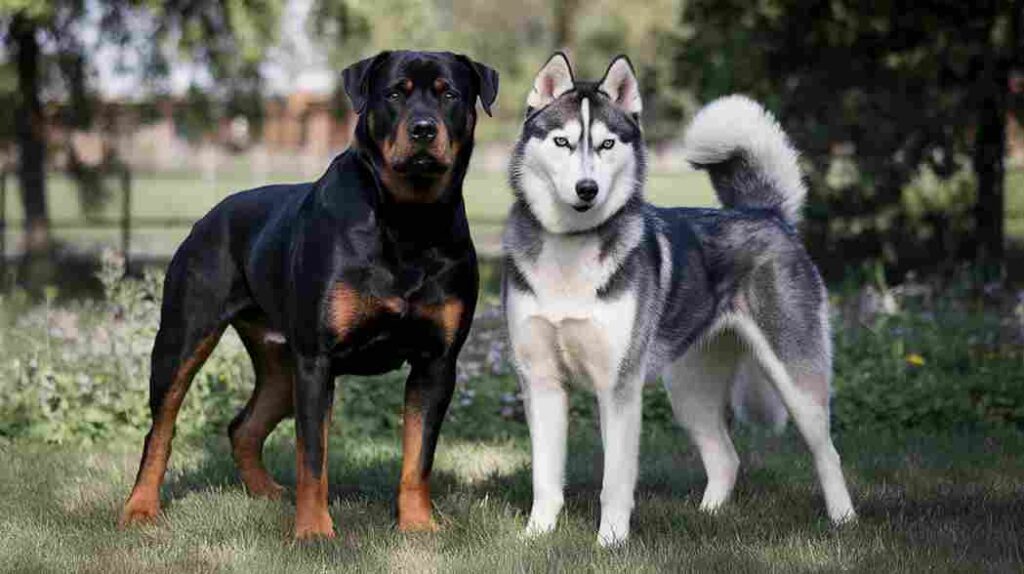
(427, 394)
(314, 397)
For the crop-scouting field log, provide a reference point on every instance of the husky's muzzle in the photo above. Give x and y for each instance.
(586, 190)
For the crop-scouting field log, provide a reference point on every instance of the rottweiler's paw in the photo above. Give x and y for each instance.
(138, 512)
(267, 488)
(316, 528)
(417, 524)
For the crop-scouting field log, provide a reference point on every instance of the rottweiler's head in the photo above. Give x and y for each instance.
(417, 112)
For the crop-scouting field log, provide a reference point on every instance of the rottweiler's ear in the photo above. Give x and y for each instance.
(357, 79)
(553, 80)
(486, 81)
(621, 85)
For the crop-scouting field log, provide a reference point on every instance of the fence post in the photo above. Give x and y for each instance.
(126, 216)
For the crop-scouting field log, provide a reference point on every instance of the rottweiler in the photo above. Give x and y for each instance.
(360, 272)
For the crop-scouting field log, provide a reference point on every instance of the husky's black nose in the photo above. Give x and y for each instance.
(424, 130)
(586, 189)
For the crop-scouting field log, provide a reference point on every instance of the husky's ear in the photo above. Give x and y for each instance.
(620, 84)
(553, 80)
(357, 79)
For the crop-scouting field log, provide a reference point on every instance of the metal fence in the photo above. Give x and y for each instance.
(125, 221)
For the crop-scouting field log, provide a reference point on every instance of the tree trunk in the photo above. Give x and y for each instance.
(29, 130)
(989, 150)
(565, 24)
(990, 147)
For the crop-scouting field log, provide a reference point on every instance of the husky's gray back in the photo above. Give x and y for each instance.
(602, 289)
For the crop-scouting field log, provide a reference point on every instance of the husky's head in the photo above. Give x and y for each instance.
(580, 156)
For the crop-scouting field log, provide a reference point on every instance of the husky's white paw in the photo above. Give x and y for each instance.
(712, 505)
(614, 529)
(844, 518)
(543, 518)
(539, 525)
(536, 530)
(609, 537)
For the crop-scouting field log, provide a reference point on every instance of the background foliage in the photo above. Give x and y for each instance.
(77, 372)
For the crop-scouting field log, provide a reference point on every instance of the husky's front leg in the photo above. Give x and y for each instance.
(547, 407)
(620, 408)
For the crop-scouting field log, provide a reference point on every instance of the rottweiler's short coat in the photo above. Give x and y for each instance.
(359, 272)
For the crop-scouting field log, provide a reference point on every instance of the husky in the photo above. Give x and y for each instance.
(603, 290)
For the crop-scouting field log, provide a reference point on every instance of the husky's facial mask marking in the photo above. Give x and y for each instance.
(579, 159)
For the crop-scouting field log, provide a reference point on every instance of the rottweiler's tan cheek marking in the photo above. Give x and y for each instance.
(442, 144)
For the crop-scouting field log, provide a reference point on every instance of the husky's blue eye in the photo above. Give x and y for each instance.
(561, 142)
(608, 144)
(450, 95)
(392, 95)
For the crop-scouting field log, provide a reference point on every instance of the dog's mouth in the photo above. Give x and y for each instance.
(421, 164)
(582, 207)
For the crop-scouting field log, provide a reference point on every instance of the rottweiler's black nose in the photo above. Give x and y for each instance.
(423, 130)
(586, 189)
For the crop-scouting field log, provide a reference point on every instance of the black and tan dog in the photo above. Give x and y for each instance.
(366, 269)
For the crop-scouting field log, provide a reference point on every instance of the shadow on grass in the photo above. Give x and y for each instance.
(921, 497)
(941, 502)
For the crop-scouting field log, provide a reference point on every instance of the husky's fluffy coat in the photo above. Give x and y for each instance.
(606, 290)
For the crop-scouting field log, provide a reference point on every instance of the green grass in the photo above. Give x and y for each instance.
(950, 502)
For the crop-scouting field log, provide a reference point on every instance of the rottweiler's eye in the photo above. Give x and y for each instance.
(392, 96)
(561, 142)
(450, 96)
(608, 144)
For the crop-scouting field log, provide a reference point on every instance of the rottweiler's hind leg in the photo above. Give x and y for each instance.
(196, 307)
(271, 402)
(177, 357)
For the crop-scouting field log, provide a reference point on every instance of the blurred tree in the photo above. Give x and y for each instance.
(566, 16)
(899, 107)
(516, 42)
(647, 33)
(54, 41)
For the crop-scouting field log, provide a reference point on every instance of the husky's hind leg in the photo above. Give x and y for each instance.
(803, 385)
(698, 386)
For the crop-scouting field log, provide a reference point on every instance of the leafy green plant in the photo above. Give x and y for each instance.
(77, 372)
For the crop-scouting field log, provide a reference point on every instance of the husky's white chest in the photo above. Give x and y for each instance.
(563, 327)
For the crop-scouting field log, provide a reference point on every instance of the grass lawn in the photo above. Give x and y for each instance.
(927, 503)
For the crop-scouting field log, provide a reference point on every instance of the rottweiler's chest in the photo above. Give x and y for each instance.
(378, 321)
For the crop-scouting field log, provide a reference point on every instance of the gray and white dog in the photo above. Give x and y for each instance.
(605, 290)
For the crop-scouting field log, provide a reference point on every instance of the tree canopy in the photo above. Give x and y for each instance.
(899, 107)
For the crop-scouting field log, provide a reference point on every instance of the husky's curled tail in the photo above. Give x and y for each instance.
(752, 165)
(748, 156)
